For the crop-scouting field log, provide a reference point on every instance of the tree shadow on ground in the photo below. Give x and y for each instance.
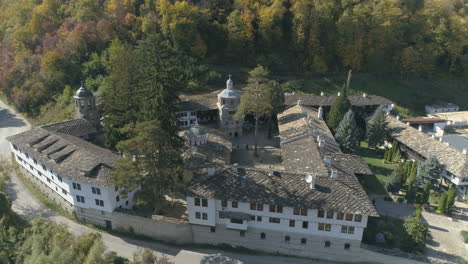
(8, 119)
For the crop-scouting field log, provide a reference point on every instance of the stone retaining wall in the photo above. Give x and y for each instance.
(160, 229)
(275, 242)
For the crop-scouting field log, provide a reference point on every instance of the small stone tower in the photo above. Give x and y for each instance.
(228, 102)
(85, 106)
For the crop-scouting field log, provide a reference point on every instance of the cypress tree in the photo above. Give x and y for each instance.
(397, 156)
(346, 133)
(377, 128)
(338, 110)
(414, 170)
(410, 191)
(442, 208)
(390, 155)
(386, 156)
(451, 196)
(408, 165)
(426, 193)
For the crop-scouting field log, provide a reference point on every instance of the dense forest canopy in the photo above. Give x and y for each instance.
(48, 45)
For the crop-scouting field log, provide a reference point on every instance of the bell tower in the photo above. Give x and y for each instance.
(85, 106)
(228, 102)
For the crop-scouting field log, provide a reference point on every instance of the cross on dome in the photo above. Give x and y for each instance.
(229, 83)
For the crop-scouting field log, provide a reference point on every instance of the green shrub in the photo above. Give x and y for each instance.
(464, 235)
(388, 198)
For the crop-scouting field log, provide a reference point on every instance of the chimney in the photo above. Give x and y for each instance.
(299, 102)
(464, 151)
(310, 179)
(312, 184)
(321, 144)
(211, 171)
(432, 136)
(320, 113)
(420, 128)
(408, 123)
(327, 160)
(322, 93)
(398, 117)
(235, 167)
(333, 174)
(339, 93)
(440, 139)
(364, 95)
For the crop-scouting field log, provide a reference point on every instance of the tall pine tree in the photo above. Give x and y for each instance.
(338, 110)
(346, 133)
(152, 146)
(428, 171)
(260, 97)
(377, 128)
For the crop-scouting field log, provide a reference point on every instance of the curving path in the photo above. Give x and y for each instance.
(25, 205)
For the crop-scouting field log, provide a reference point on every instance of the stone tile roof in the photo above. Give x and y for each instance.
(75, 127)
(454, 160)
(342, 194)
(199, 102)
(299, 130)
(68, 156)
(215, 152)
(351, 164)
(327, 100)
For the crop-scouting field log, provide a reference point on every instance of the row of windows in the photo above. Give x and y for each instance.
(339, 216)
(34, 169)
(77, 186)
(94, 190)
(296, 211)
(40, 175)
(287, 239)
(184, 114)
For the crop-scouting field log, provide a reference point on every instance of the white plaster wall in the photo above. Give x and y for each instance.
(439, 129)
(189, 116)
(210, 210)
(108, 193)
(284, 219)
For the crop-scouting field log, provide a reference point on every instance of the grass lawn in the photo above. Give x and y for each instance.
(464, 235)
(375, 183)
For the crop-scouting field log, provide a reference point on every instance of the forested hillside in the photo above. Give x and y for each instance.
(47, 46)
